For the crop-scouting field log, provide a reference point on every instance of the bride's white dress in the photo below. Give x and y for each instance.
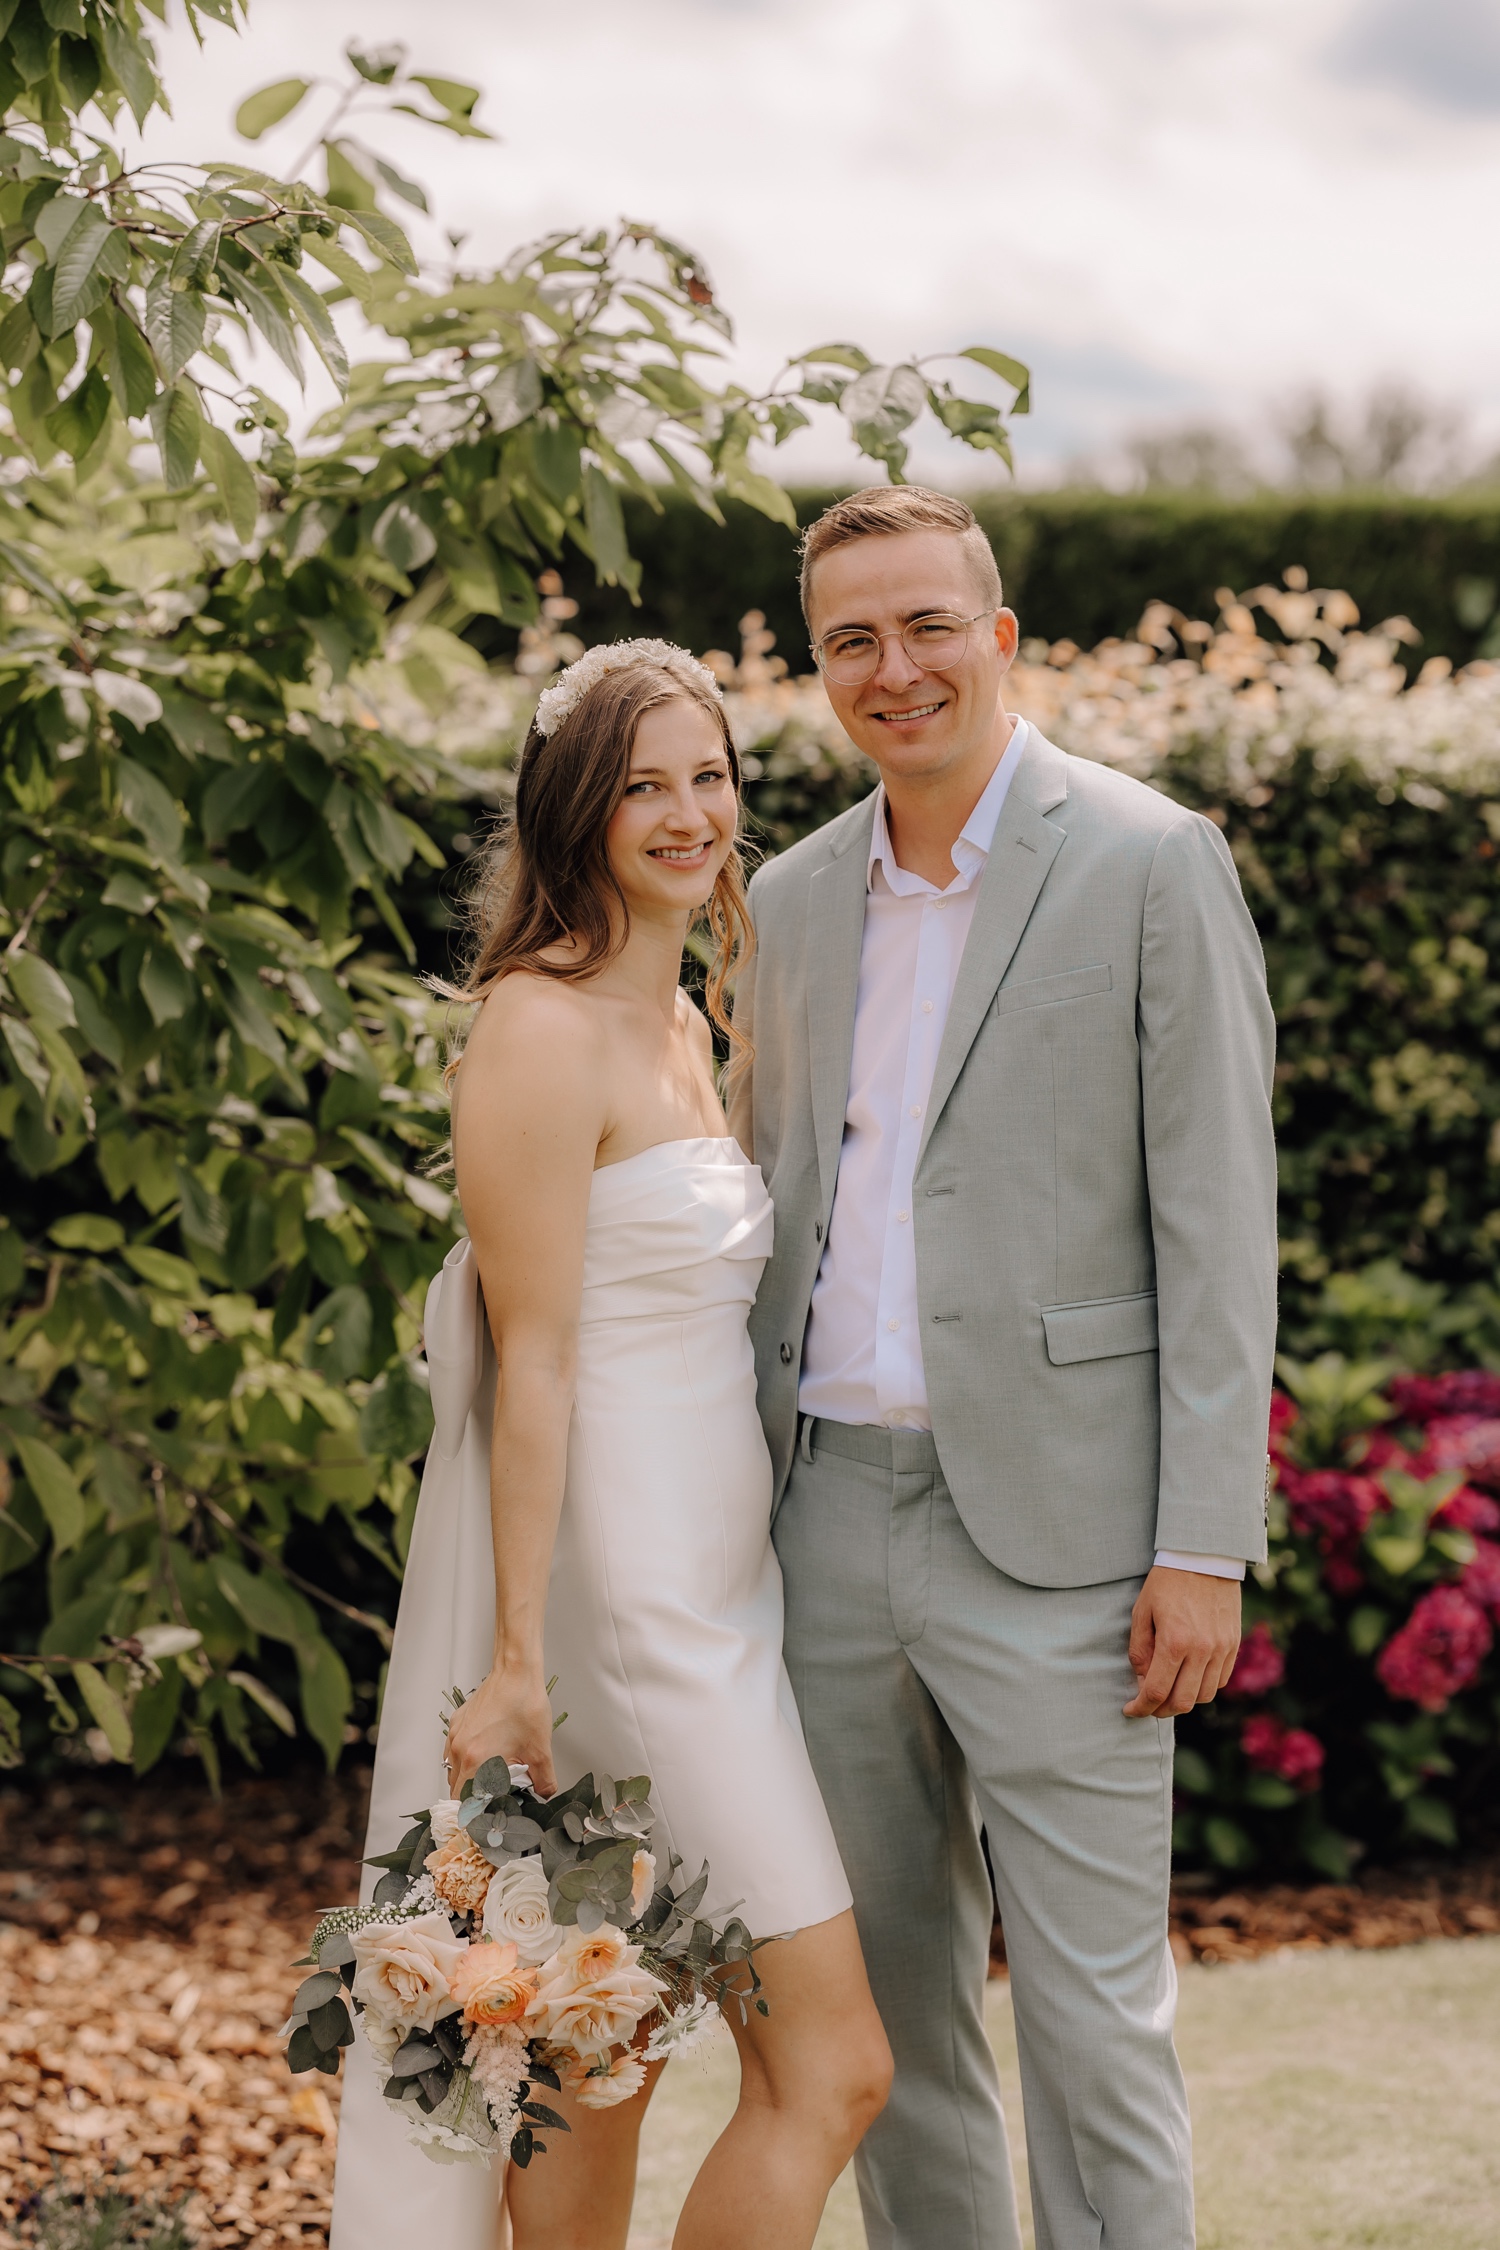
(664, 1611)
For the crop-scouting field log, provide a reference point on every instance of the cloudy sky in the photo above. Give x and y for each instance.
(1170, 208)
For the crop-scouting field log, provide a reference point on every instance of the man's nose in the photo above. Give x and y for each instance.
(895, 669)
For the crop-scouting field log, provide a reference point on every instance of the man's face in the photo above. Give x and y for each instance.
(912, 721)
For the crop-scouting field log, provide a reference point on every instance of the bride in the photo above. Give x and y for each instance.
(597, 1500)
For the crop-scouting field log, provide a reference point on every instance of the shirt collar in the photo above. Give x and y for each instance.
(975, 838)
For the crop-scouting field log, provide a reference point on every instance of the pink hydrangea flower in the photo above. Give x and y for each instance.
(1468, 1510)
(1291, 1753)
(1260, 1665)
(1334, 1507)
(1465, 1390)
(1470, 1442)
(1382, 1451)
(1437, 1651)
(1481, 1579)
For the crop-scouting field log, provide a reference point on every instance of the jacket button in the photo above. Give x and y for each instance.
(786, 1355)
(817, 1230)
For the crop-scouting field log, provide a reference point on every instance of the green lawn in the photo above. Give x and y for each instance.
(1341, 2101)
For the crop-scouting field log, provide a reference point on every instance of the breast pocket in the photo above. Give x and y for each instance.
(1046, 992)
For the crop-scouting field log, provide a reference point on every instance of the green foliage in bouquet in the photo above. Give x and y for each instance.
(219, 1076)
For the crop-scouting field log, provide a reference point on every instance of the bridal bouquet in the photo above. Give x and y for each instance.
(517, 1942)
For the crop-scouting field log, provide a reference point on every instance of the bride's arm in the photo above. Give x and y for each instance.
(529, 1116)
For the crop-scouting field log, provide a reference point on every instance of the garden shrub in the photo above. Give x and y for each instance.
(1083, 565)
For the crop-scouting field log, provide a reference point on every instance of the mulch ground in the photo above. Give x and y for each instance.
(146, 1945)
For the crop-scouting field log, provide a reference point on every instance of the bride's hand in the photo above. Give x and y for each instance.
(508, 1717)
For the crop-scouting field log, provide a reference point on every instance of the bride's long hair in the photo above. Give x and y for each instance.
(548, 877)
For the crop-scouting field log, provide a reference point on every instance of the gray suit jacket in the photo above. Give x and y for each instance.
(1095, 1196)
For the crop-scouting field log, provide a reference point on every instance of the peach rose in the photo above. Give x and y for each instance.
(642, 1883)
(460, 1873)
(491, 1986)
(592, 1993)
(405, 1968)
(600, 2081)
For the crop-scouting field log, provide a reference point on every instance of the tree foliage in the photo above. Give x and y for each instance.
(221, 1098)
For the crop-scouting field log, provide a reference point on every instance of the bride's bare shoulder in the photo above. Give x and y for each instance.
(544, 1027)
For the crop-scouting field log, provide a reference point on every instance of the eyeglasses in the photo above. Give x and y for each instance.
(935, 643)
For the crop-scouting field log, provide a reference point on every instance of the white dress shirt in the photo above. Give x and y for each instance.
(862, 1354)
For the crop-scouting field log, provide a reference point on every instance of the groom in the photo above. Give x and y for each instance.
(1011, 1096)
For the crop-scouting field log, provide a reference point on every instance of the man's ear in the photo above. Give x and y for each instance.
(1007, 637)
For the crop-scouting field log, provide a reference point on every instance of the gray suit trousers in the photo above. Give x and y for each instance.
(940, 1696)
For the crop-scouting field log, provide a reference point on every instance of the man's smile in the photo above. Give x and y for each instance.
(907, 718)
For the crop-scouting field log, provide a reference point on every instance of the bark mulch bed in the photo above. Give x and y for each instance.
(147, 1937)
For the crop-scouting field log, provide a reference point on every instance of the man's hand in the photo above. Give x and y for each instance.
(1184, 1637)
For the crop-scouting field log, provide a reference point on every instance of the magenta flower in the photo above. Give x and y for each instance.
(1470, 1442)
(1468, 1510)
(1466, 1390)
(1285, 1413)
(1260, 1665)
(1438, 1650)
(1481, 1579)
(1291, 1753)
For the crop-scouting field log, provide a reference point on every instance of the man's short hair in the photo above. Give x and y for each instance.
(882, 511)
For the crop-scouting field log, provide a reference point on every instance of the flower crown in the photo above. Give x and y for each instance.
(569, 688)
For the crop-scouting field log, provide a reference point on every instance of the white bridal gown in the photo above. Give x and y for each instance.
(663, 1615)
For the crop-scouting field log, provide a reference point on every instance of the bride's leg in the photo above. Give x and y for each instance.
(814, 2075)
(578, 2196)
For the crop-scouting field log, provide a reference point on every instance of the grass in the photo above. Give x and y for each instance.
(1341, 2101)
(102, 2218)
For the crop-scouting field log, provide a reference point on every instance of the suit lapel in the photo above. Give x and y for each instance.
(1020, 860)
(835, 932)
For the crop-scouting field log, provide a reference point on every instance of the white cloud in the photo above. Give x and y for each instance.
(1164, 207)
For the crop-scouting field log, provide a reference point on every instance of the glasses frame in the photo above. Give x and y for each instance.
(968, 624)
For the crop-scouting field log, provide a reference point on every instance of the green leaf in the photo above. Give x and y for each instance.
(130, 58)
(605, 519)
(162, 1270)
(92, 253)
(149, 807)
(513, 395)
(1012, 371)
(107, 1711)
(313, 314)
(10, 1735)
(75, 424)
(267, 310)
(834, 355)
(450, 94)
(327, 1696)
(153, 1716)
(87, 1230)
(56, 1490)
(402, 537)
(384, 237)
(762, 493)
(166, 987)
(349, 186)
(177, 426)
(397, 182)
(261, 110)
(234, 479)
(41, 991)
(266, 1699)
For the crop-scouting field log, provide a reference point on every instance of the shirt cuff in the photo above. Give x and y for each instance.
(1208, 1566)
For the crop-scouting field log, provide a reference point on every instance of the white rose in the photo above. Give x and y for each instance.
(404, 1969)
(516, 1912)
(444, 1818)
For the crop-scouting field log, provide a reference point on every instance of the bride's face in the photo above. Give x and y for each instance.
(674, 827)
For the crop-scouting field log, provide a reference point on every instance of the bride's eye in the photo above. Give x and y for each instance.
(713, 773)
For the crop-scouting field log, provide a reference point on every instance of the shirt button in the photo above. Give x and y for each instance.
(902, 1217)
(893, 1325)
(915, 1110)
(927, 1007)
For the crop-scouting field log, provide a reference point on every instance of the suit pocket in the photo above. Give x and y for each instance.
(1108, 1328)
(1043, 992)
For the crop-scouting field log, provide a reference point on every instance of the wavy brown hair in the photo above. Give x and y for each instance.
(548, 878)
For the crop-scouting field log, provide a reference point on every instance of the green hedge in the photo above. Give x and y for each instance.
(1083, 565)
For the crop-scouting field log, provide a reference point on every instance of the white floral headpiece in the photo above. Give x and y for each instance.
(569, 688)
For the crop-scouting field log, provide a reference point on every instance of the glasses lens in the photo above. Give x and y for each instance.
(935, 642)
(850, 657)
